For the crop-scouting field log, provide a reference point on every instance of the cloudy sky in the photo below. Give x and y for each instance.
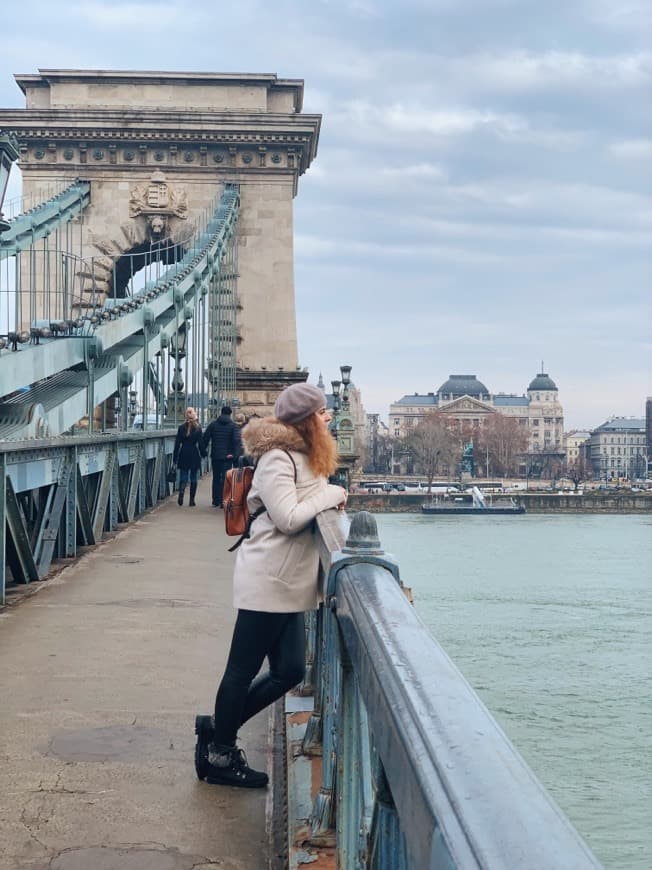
(481, 200)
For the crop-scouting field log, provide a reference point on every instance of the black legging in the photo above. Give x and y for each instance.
(280, 638)
(220, 467)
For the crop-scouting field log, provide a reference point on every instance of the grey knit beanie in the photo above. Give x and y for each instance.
(297, 402)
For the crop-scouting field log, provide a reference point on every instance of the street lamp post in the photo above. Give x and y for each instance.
(342, 426)
(133, 406)
(335, 386)
(373, 425)
(176, 401)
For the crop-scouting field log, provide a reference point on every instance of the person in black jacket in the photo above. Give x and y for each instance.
(223, 436)
(188, 452)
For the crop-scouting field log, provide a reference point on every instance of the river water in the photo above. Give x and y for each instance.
(549, 618)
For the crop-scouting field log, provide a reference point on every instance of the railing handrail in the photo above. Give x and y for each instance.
(465, 797)
(34, 445)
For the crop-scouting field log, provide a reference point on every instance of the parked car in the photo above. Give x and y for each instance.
(375, 486)
(138, 421)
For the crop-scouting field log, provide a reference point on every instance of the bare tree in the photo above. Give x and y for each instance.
(502, 439)
(578, 470)
(433, 445)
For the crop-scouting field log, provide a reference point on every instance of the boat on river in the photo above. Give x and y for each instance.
(473, 504)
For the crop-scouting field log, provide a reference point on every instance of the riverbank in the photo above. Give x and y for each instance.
(534, 502)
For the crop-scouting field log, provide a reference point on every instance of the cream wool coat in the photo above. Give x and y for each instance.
(276, 568)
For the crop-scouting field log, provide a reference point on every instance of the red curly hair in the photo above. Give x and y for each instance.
(322, 449)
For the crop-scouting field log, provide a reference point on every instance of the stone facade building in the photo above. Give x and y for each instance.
(467, 400)
(617, 448)
(575, 446)
(648, 434)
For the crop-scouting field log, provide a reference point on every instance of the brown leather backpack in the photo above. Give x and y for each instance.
(237, 483)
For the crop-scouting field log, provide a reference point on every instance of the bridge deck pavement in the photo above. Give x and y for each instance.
(101, 673)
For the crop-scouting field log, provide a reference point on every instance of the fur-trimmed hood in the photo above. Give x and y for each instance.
(267, 433)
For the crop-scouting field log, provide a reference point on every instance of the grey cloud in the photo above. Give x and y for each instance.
(480, 198)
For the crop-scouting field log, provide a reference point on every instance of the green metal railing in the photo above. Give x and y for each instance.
(415, 773)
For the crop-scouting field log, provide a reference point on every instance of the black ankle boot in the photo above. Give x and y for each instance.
(204, 732)
(227, 765)
(182, 489)
(193, 491)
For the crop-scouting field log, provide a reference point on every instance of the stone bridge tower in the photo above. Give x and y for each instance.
(157, 148)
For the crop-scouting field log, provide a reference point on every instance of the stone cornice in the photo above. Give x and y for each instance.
(174, 119)
(48, 129)
(268, 380)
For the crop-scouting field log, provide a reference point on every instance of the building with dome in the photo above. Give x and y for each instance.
(467, 400)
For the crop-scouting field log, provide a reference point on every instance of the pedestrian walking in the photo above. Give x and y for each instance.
(223, 438)
(276, 576)
(187, 456)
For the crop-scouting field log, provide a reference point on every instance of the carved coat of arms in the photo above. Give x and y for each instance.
(158, 201)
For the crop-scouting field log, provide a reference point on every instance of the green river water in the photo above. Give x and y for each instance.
(549, 617)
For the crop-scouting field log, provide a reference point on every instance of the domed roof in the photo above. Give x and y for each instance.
(463, 385)
(542, 382)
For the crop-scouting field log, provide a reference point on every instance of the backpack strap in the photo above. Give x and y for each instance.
(260, 510)
(247, 531)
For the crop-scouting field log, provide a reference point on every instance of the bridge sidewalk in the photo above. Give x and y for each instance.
(101, 674)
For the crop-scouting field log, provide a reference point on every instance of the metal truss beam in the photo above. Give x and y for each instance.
(58, 493)
(60, 370)
(37, 223)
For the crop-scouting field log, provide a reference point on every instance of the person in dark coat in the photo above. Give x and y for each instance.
(223, 437)
(188, 452)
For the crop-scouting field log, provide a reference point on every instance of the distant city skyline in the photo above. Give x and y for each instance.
(568, 412)
(481, 197)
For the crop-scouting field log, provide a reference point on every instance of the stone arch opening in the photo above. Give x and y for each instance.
(130, 251)
(138, 264)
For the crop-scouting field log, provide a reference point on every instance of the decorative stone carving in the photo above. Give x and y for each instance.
(158, 201)
(105, 246)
